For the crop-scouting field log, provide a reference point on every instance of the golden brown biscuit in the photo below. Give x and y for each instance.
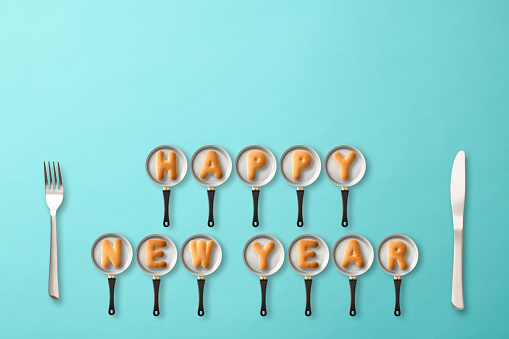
(353, 254)
(396, 251)
(153, 254)
(300, 160)
(263, 253)
(344, 163)
(111, 253)
(211, 165)
(169, 165)
(201, 252)
(304, 254)
(255, 161)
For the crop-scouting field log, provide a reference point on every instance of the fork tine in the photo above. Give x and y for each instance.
(55, 172)
(45, 176)
(60, 176)
(50, 181)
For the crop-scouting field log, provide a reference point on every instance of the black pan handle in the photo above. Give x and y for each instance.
(397, 287)
(344, 195)
(111, 283)
(263, 285)
(256, 194)
(166, 196)
(156, 282)
(211, 193)
(353, 283)
(201, 285)
(308, 297)
(300, 199)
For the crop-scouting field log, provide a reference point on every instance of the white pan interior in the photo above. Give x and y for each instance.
(322, 255)
(411, 257)
(357, 168)
(197, 162)
(170, 255)
(150, 165)
(276, 257)
(127, 254)
(263, 175)
(187, 260)
(309, 175)
(338, 251)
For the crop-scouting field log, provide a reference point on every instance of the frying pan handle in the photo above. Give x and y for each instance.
(256, 194)
(201, 285)
(344, 196)
(111, 283)
(263, 285)
(308, 297)
(353, 283)
(300, 199)
(166, 196)
(156, 282)
(210, 194)
(397, 286)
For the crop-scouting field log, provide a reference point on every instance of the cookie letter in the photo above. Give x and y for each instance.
(255, 161)
(211, 165)
(344, 163)
(396, 251)
(152, 253)
(300, 160)
(263, 253)
(201, 252)
(111, 253)
(170, 165)
(304, 254)
(353, 254)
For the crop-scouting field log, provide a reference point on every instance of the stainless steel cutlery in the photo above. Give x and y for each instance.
(458, 207)
(54, 197)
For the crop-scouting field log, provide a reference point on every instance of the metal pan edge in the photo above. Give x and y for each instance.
(129, 254)
(172, 248)
(331, 178)
(357, 237)
(253, 183)
(226, 174)
(278, 244)
(379, 250)
(216, 247)
(176, 150)
(291, 181)
(316, 270)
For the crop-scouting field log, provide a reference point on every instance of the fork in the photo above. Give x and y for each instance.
(54, 197)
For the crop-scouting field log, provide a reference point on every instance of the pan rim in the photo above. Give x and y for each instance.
(291, 181)
(209, 270)
(298, 269)
(124, 242)
(379, 250)
(226, 174)
(174, 149)
(278, 244)
(332, 179)
(170, 266)
(252, 183)
(338, 265)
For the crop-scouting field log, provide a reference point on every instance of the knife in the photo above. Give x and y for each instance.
(458, 207)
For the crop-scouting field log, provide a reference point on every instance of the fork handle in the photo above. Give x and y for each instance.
(53, 268)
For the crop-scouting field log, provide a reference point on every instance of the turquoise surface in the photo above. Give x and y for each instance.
(96, 85)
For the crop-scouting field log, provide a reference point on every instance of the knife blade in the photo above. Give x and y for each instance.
(458, 208)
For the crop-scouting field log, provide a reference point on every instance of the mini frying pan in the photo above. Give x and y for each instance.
(169, 257)
(166, 183)
(352, 270)
(321, 257)
(308, 175)
(332, 170)
(411, 258)
(275, 261)
(211, 181)
(111, 271)
(200, 272)
(263, 175)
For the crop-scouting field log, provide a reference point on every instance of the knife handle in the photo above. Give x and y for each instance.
(457, 272)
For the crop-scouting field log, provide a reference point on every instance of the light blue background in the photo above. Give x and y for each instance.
(97, 84)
